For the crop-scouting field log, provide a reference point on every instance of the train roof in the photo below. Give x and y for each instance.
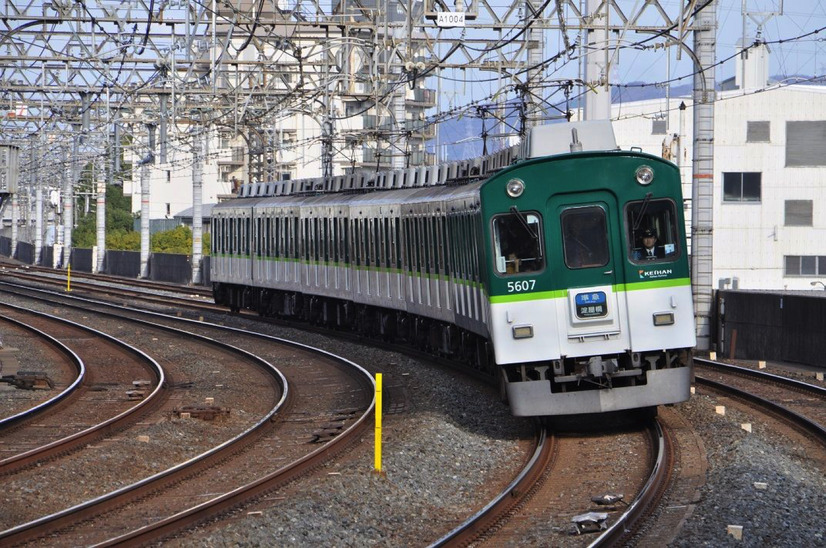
(389, 197)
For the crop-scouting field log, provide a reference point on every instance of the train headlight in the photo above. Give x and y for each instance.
(663, 318)
(644, 175)
(522, 331)
(515, 188)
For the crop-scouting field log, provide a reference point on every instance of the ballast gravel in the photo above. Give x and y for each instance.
(455, 438)
(762, 482)
(448, 442)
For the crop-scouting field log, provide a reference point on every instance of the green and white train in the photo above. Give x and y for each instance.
(528, 265)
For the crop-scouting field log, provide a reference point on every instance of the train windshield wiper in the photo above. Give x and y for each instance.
(524, 222)
(643, 208)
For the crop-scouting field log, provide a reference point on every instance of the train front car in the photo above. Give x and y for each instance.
(590, 298)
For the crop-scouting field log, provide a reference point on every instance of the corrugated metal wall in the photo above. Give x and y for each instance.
(779, 326)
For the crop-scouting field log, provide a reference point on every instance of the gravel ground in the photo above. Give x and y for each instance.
(443, 454)
(452, 443)
(451, 428)
(787, 512)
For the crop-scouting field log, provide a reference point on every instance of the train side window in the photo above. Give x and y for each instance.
(585, 237)
(369, 229)
(258, 237)
(441, 260)
(652, 230)
(397, 247)
(346, 241)
(387, 243)
(517, 241)
(427, 240)
(279, 237)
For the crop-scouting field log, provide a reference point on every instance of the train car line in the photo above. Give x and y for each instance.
(559, 270)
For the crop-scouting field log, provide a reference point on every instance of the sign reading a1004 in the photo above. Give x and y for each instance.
(450, 19)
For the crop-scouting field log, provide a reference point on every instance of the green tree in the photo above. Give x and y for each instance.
(120, 235)
(177, 240)
(119, 222)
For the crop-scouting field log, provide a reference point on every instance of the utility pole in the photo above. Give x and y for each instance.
(198, 141)
(702, 200)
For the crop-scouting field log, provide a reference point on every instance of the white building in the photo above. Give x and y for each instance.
(769, 185)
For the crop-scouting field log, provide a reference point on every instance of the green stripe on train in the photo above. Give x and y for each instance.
(562, 293)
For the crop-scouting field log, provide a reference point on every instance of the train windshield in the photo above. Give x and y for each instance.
(585, 237)
(517, 240)
(652, 230)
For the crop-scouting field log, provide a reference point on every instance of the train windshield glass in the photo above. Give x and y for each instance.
(585, 237)
(517, 240)
(652, 230)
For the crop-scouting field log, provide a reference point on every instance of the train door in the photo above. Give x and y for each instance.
(588, 269)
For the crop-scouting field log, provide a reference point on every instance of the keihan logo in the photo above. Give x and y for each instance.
(654, 274)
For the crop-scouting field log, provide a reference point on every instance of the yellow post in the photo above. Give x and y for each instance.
(378, 424)
(69, 277)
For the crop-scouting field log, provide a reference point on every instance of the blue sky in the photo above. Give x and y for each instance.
(804, 56)
(796, 56)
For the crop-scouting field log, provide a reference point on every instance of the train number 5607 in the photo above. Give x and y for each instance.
(521, 285)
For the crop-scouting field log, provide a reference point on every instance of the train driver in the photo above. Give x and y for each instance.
(649, 249)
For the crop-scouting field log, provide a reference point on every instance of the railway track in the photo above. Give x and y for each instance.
(161, 295)
(61, 277)
(96, 403)
(559, 527)
(287, 443)
(797, 403)
(544, 505)
(50, 364)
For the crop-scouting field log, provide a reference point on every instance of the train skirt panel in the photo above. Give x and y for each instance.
(535, 397)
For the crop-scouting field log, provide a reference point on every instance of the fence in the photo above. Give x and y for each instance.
(781, 326)
(165, 267)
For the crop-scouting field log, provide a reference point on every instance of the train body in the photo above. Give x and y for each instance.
(534, 272)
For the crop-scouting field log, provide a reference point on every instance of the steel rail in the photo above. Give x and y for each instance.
(764, 375)
(61, 444)
(274, 480)
(492, 512)
(802, 422)
(73, 357)
(208, 508)
(617, 534)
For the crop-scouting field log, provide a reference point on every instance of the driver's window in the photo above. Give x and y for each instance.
(653, 233)
(517, 240)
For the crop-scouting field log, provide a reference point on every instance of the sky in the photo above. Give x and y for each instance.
(775, 20)
(793, 56)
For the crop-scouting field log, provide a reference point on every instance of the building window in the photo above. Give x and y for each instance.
(658, 127)
(805, 265)
(806, 144)
(168, 209)
(168, 176)
(741, 186)
(758, 132)
(798, 213)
